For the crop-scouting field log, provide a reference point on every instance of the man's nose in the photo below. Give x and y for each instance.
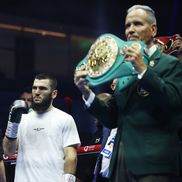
(37, 90)
(131, 28)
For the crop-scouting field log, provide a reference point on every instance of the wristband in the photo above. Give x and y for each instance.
(69, 178)
(12, 130)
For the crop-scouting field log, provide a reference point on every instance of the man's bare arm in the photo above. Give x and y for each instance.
(70, 164)
(9, 146)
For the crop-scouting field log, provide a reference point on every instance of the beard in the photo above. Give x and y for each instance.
(42, 106)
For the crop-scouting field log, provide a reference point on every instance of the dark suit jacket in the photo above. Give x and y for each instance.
(147, 115)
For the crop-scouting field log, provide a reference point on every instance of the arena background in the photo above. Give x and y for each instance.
(53, 36)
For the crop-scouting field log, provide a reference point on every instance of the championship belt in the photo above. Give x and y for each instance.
(105, 61)
(165, 43)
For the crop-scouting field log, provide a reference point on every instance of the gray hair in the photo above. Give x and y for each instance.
(150, 12)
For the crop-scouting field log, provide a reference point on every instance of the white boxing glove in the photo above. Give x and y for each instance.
(18, 108)
(69, 178)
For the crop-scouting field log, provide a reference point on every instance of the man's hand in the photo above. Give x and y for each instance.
(18, 108)
(82, 83)
(177, 45)
(133, 54)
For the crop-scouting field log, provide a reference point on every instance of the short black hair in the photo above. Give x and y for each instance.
(53, 80)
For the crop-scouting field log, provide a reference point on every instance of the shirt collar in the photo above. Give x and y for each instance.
(151, 50)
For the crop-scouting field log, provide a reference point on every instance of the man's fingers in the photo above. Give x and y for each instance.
(79, 74)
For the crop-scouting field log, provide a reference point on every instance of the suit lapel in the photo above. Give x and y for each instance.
(153, 61)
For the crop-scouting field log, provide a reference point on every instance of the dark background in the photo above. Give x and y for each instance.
(96, 15)
(60, 36)
(74, 25)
